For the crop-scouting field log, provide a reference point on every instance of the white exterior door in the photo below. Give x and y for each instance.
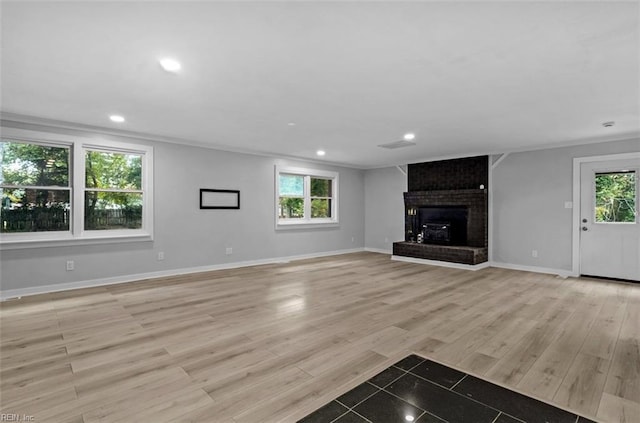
(609, 223)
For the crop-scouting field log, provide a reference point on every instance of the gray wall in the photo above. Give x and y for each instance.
(528, 195)
(191, 237)
(384, 207)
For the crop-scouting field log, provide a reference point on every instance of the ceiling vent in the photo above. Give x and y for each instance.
(397, 144)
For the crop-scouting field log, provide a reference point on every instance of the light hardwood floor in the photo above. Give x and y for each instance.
(272, 343)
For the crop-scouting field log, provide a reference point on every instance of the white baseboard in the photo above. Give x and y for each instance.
(23, 292)
(44, 289)
(441, 263)
(559, 272)
(378, 250)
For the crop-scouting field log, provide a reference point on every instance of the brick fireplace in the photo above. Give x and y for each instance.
(446, 211)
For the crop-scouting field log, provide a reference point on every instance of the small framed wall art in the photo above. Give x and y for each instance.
(219, 199)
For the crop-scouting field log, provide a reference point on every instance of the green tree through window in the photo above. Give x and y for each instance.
(113, 196)
(615, 197)
(35, 187)
(61, 189)
(306, 197)
(321, 197)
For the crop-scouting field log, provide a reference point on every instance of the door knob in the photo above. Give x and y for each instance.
(584, 228)
(584, 220)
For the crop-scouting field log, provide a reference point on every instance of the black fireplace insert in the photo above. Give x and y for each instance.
(443, 225)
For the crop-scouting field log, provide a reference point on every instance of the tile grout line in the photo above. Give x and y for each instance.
(458, 382)
(484, 380)
(424, 412)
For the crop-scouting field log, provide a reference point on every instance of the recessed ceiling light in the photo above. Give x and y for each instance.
(608, 124)
(291, 124)
(320, 152)
(409, 136)
(116, 118)
(170, 65)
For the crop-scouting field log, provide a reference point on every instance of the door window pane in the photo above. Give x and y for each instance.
(615, 197)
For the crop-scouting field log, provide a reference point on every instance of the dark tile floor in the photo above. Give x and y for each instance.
(422, 391)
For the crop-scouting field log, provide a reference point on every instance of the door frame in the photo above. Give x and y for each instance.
(575, 225)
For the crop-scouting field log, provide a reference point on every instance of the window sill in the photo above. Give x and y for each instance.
(307, 225)
(44, 242)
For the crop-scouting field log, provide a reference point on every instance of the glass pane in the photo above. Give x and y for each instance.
(291, 185)
(31, 210)
(321, 187)
(291, 208)
(320, 207)
(615, 197)
(113, 170)
(112, 210)
(35, 165)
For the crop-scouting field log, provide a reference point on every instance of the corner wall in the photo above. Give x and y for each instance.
(384, 208)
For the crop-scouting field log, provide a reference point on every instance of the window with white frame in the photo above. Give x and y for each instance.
(36, 187)
(306, 197)
(74, 191)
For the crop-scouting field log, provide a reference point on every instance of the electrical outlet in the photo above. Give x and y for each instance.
(568, 205)
(229, 251)
(160, 255)
(534, 253)
(353, 239)
(70, 265)
(386, 240)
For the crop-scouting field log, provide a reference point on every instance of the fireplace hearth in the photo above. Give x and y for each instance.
(445, 225)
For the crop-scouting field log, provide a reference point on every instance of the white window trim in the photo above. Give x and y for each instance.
(77, 235)
(307, 222)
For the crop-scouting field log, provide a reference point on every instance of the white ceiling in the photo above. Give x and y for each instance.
(466, 78)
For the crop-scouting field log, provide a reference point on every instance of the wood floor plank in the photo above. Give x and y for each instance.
(623, 379)
(616, 409)
(546, 374)
(270, 343)
(581, 388)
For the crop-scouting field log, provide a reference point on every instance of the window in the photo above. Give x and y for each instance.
(36, 194)
(615, 197)
(306, 197)
(113, 196)
(70, 191)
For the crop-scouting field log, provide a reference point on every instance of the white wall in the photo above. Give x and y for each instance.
(191, 237)
(528, 195)
(384, 207)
